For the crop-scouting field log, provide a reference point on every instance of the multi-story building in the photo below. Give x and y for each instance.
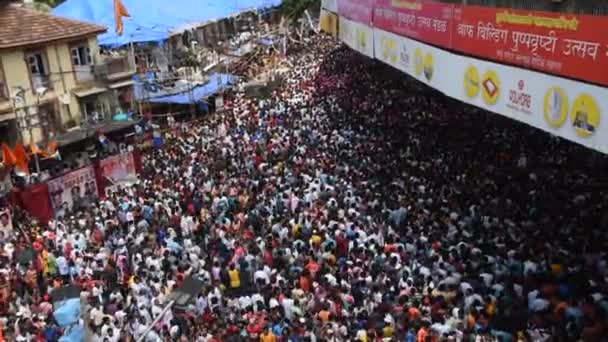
(53, 77)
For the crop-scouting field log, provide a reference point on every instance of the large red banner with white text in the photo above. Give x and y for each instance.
(360, 11)
(429, 22)
(574, 46)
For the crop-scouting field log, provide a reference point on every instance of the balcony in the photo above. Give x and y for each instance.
(40, 81)
(114, 68)
(84, 73)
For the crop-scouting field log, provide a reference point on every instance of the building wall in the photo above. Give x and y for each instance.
(62, 79)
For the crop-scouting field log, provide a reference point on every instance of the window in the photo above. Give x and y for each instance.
(39, 70)
(36, 63)
(81, 55)
(3, 86)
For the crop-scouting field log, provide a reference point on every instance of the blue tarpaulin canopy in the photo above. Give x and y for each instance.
(216, 83)
(152, 20)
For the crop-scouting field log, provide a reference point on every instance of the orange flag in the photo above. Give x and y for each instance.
(34, 148)
(119, 12)
(21, 158)
(8, 158)
(51, 150)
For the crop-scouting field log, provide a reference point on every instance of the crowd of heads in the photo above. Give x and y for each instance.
(351, 205)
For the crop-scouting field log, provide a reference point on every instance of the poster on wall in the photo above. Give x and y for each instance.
(71, 187)
(118, 168)
(6, 221)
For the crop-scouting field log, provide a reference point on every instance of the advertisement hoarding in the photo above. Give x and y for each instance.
(357, 36)
(118, 168)
(357, 10)
(566, 108)
(573, 46)
(69, 188)
(328, 23)
(429, 22)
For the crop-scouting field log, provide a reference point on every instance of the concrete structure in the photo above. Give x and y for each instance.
(53, 77)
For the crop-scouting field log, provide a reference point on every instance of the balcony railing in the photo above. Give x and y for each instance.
(117, 66)
(84, 73)
(41, 81)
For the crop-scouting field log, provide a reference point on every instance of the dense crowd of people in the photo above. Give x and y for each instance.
(351, 205)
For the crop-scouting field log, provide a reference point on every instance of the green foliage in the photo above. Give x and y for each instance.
(294, 9)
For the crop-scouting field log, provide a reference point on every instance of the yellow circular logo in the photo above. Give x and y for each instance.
(388, 50)
(471, 81)
(490, 87)
(418, 63)
(428, 66)
(555, 107)
(585, 115)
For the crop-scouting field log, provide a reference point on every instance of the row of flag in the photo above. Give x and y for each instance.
(19, 158)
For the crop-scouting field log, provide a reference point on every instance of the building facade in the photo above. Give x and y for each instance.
(53, 78)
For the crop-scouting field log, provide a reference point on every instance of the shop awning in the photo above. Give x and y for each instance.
(89, 91)
(121, 84)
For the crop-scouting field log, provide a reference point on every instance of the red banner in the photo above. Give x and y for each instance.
(358, 10)
(429, 22)
(574, 46)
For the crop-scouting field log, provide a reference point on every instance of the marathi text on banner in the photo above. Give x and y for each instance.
(571, 46)
(72, 188)
(430, 22)
(360, 11)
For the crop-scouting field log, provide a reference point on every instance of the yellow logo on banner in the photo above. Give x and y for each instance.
(418, 62)
(471, 81)
(555, 107)
(585, 115)
(490, 87)
(428, 66)
(388, 50)
(361, 39)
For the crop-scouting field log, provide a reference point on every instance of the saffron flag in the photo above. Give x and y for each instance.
(119, 12)
(34, 148)
(8, 158)
(21, 158)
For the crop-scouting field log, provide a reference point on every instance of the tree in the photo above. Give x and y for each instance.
(44, 5)
(294, 9)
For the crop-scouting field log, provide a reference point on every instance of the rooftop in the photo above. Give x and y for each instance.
(21, 27)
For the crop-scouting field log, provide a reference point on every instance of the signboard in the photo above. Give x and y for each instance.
(357, 36)
(357, 10)
(429, 22)
(69, 188)
(570, 109)
(118, 168)
(574, 46)
(6, 221)
(330, 5)
(328, 23)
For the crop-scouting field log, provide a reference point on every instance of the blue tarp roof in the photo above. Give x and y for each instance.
(216, 83)
(151, 20)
